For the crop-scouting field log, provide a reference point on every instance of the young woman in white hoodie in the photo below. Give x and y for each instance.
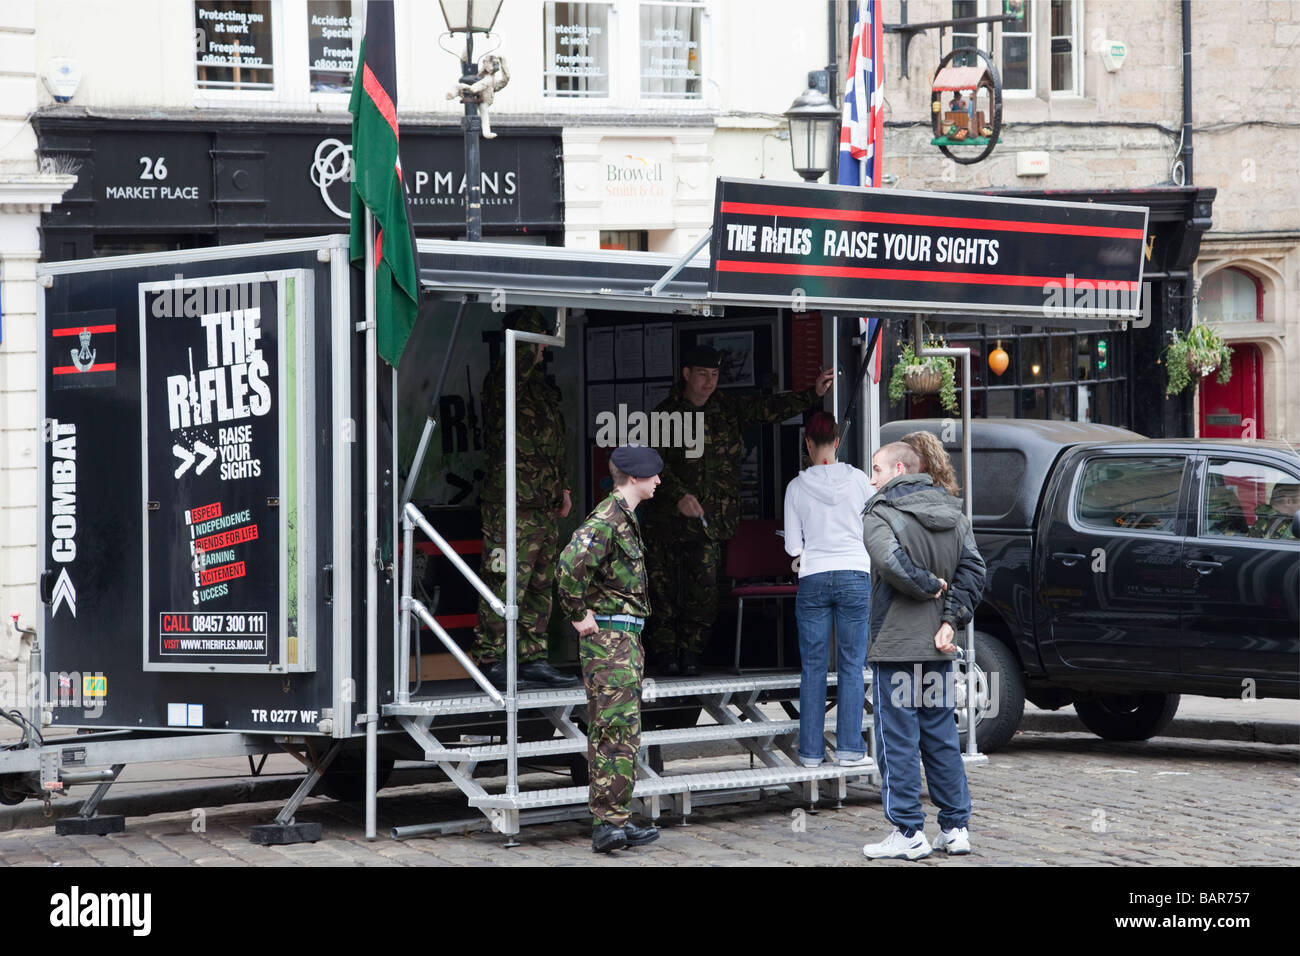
(823, 528)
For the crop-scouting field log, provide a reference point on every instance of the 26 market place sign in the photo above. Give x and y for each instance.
(892, 251)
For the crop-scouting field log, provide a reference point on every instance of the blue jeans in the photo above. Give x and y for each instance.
(848, 595)
(913, 706)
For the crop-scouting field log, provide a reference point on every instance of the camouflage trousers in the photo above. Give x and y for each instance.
(612, 665)
(534, 575)
(683, 572)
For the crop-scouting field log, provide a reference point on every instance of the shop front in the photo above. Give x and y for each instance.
(1104, 372)
(148, 185)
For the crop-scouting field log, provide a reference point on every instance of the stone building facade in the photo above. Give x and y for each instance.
(1105, 129)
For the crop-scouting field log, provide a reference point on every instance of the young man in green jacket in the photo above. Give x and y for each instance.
(601, 578)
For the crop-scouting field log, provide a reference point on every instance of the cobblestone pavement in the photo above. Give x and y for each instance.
(1046, 799)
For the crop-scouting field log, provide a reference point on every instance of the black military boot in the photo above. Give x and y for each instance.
(496, 675)
(542, 672)
(605, 838)
(690, 663)
(640, 836)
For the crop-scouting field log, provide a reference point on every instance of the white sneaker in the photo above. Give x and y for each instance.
(898, 847)
(955, 842)
(861, 761)
(810, 762)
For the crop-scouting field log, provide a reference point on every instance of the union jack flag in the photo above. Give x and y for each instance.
(862, 129)
(863, 126)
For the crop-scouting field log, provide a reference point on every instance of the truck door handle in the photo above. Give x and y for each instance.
(1068, 558)
(1204, 567)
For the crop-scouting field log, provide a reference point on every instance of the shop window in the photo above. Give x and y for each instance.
(333, 35)
(1033, 360)
(575, 49)
(1062, 408)
(1001, 403)
(671, 41)
(1062, 358)
(233, 48)
(1231, 295)
(633, 240)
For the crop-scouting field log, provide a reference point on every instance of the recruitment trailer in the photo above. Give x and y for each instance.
(215, 439)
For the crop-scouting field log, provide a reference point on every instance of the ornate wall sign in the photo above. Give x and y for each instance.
(966, 105)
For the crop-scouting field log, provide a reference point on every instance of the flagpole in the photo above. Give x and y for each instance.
(372, 538)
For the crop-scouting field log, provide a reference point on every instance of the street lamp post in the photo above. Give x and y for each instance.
(470, 17)
(814, 122)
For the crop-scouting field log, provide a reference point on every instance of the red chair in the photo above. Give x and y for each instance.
(760, 569)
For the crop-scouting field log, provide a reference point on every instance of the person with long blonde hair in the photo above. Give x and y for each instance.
(934, 460)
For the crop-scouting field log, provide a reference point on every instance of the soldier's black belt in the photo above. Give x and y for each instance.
(621, 622)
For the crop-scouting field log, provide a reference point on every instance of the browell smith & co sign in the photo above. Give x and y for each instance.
(926, 252)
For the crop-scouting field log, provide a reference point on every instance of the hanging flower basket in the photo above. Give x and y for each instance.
(924, 376)
(1191, 357)
(922, 379)
(1199, 367)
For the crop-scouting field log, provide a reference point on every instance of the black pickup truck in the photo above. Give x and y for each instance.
(1124, 571)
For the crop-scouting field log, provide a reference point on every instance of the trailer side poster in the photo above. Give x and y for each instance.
(895, 251)
(213, 411)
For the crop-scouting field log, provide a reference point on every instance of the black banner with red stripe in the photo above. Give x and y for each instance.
(884, 250)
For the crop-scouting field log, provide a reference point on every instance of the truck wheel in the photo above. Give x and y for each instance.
(1127, 717)
(999, 694)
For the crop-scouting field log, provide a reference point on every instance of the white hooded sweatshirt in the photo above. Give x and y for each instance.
(823, 518)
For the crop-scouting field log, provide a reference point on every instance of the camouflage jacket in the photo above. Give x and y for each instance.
(539, 430)
(602, 569)
(714, 477)
(1270, 523)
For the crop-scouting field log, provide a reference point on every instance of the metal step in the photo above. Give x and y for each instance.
(649, 738)
(677, 783)
(654, 688)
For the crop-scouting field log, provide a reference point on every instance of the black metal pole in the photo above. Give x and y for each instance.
(1187, 93)
(473, 127)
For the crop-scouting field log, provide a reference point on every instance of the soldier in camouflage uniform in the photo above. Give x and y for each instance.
(1273, 520)
(602, 588)
(542, 500)
(698, 509)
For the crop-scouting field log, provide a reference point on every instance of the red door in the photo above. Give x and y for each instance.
(1235, 410)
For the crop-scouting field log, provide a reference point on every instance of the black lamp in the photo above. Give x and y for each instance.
(814, 128)
(470, 17)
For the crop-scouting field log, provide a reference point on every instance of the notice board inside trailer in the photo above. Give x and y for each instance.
(194, 405)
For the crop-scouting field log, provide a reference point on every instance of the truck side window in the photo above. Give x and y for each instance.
(1246, 498)
(1139, 494)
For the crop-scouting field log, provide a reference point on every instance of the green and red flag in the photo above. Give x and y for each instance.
(377, 185)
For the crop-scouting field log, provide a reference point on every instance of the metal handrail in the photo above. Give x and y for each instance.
(411, 518)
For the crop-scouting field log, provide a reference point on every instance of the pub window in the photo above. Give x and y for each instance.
(333, 34)
(1231, 295)
(671, 41)
(1016, 53)
(575, 49)
(233, 45)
